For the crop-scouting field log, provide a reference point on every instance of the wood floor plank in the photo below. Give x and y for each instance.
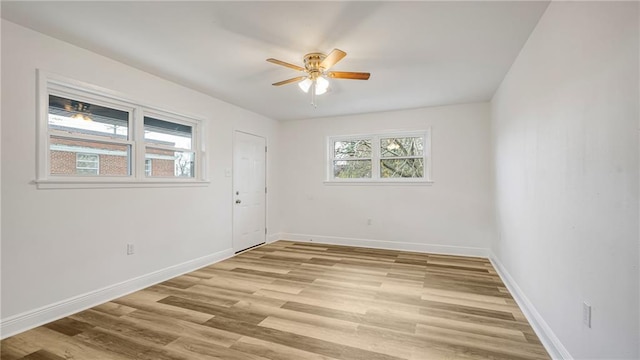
(333, 303)
(507, 346)
(167, 310)
(274, 351)
(295, 316)
(67, 347)
(42, 355)
(294, 301)
(198, 349)
(213, 309)
(128, 347)
(125, 326)
(17, 347)
(69, 326)
(183, 328)
(292, 339)
(348, 337)
(114, 309)
(208, 298)
(447, 323)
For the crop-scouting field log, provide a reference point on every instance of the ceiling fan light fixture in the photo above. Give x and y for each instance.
(83, 117)
(316, 69)
(322, 85)
(305, 85)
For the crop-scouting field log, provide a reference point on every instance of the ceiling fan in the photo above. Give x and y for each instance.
(316, 67)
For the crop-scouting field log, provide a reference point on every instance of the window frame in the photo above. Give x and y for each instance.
(52, 84)
(376, 157)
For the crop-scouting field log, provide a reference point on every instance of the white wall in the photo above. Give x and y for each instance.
(565, 129)
(57, 244)
(453, 215)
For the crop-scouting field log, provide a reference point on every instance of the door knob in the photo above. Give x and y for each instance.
(238, 201)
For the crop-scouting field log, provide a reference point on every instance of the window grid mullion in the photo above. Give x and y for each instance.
(195, 143)
(402, 157)
(166, 147)
(137, 157)
(375, 155)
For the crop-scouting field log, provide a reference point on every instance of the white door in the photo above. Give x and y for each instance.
(249, 191)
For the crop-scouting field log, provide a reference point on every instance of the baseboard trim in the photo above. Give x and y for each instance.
(547, 336)
(389, 245)
(31, 319)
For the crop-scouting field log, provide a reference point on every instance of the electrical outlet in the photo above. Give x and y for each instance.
(586, 314)
(130, 249)
(368, 221)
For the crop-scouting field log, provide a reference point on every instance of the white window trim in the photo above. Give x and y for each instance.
(48, 83)
(375, 159)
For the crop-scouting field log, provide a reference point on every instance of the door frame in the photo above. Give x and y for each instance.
(233, 153)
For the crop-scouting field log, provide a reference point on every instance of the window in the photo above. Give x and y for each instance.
(87, 164)
(392, 157)
(352, 159)
(402, 157)
(89, 135)
(170, 145)
(148, 167)
(79, 127)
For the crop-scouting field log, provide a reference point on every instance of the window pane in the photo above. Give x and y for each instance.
(85, 157)
(148, 166)
(160, 132)
(400, 147)
(169, 163)
(87, 164)
(77, 117)
(349, 169)
(402, 168)
(352, 149)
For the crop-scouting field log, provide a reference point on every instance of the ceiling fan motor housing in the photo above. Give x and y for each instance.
(312, 64)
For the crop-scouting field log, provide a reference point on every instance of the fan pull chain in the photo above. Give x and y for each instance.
(313, 94)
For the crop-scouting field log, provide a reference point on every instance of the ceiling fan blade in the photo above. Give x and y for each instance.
(348, 75)
(334, 56)
(289, 81)
(286, 64)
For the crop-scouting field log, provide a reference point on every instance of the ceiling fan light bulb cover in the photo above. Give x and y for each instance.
(305, 84)
(322, 85)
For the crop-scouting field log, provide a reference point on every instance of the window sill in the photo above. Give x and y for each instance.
(378, 183)
(109, 184)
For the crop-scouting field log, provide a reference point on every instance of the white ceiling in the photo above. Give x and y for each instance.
(418, 53)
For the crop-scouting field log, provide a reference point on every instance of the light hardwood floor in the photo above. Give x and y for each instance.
(294, 301)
